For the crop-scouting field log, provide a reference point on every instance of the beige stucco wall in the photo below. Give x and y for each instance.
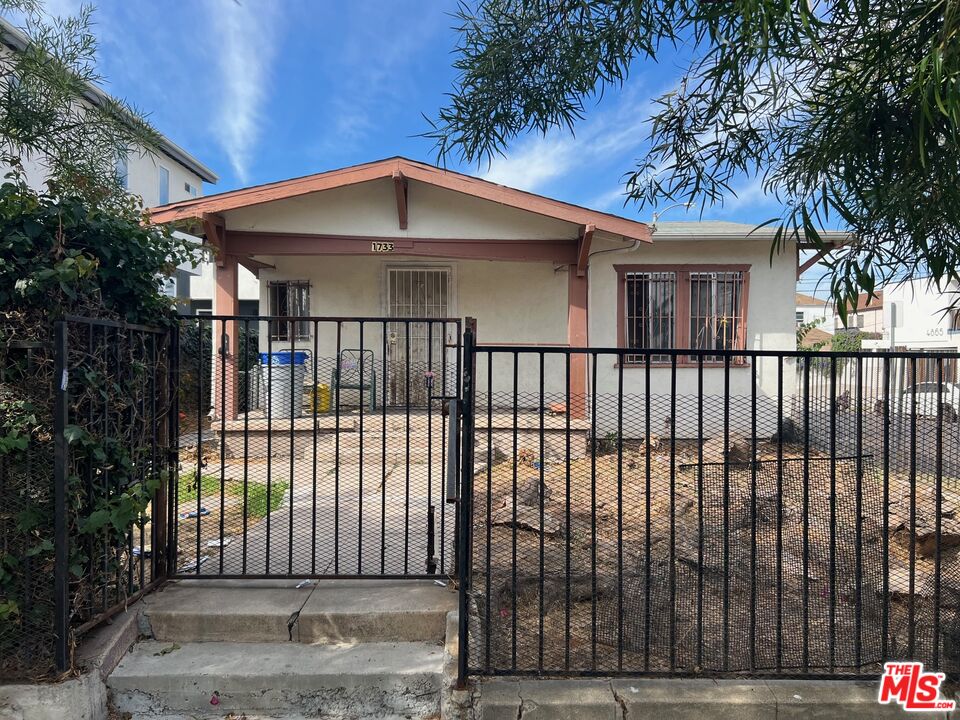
(370, 209)
(512, 301)
(770, 326)
(527, 302)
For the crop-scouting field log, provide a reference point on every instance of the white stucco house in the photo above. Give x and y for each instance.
(813, 309)
(918, 316)
(169, 175)
(399, 238)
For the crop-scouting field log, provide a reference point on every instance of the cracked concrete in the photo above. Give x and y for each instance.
(676, 698)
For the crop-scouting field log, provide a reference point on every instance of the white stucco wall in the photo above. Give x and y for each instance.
(823, 313)
(512, 301)
(920, 320)
(527, 302)
(202, 284)
(370, 209)
(770, 326)
(143, 173)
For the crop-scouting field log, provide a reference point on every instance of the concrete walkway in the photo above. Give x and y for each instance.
(336, 528)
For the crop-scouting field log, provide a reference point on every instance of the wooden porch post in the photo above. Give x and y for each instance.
(577, 338)
(226, 301)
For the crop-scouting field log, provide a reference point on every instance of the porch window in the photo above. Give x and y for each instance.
(290, 299)
(688, 306)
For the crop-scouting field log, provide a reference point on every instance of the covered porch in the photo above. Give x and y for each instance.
(408, 242)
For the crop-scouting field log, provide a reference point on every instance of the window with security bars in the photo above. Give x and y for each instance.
(290, 299)
(716, 311)
(678, 307)
(650, 312)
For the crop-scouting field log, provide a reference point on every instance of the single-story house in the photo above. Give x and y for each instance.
(400, 238)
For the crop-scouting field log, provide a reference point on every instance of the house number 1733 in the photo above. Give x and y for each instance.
(381, 247)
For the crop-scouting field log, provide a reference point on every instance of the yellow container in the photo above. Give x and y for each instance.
(318, 398)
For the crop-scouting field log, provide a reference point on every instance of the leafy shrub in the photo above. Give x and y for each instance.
(60, 256)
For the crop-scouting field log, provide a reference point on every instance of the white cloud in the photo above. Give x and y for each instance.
(611, 134)
(535, 163)
(611, 201)
(246, 40)
(62, 8)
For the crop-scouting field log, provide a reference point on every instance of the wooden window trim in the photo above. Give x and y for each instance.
(682, 312)
(300, 335)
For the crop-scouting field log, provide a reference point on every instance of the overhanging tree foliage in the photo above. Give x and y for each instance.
(847, 111)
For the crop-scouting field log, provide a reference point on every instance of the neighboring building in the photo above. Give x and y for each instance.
(810, 309)
(918, 316)
(399, 238)
(202, 286)
(867, 316)
(170, 175)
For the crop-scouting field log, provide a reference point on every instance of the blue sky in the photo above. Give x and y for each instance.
(262, 90)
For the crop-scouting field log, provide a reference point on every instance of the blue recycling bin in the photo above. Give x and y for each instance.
(284, 384)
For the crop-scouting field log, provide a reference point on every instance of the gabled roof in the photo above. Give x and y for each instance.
(14, 39)
(816, 335)
(802, 299)
(867, 302)
(412, 170)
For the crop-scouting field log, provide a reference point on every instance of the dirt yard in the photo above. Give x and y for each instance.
(730, 569)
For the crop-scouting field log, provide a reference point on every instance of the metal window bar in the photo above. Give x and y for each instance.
(288, 299)
(650, 312)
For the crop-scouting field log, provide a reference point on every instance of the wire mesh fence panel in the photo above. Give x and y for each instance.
(115, 417)
(27, 637)
(84, 515)
(710, 512)
(318, 454)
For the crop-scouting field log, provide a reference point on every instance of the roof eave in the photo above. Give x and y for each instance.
(455, 182)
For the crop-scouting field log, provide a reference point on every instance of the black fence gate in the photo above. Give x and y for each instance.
(314, 447)
(708, 512)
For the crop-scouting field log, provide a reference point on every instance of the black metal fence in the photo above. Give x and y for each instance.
(716, 513)
(83, 485)
(314, 447)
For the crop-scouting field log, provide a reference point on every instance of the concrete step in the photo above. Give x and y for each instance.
(274, 679)
(373, 610)
(277, 611)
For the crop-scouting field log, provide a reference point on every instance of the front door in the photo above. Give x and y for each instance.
(415, 349)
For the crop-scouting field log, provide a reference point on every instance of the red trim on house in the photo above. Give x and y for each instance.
(583, 248)
(577, 338)
(214, 228)
(241, 242)
(226, 302)
(400, 190)
(682, 305)
(447, 179)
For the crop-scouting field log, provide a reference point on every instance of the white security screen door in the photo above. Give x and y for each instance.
(415, 348)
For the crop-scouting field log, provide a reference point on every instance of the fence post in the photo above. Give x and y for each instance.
(172, 448)
(465, 521)
(61, 618)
